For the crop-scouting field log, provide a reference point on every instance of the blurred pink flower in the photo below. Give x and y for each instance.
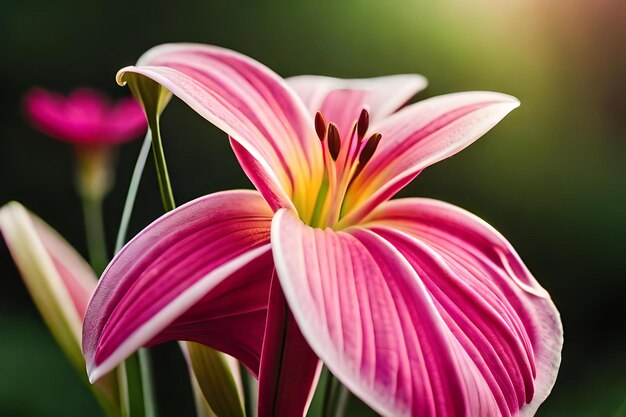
(86, 117)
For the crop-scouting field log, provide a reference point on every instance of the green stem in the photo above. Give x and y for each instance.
(132, 191)
(336, 397)
(138, 390)
(167, 196)
(133, 404)
(165, 187)
(342, 397)
(94, 229)
(147, 378)
(329, 390)
(93, 180)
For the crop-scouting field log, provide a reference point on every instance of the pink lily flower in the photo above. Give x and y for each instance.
(85, 118)
(418, 307)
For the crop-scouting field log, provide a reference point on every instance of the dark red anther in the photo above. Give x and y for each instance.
(334, 141)
(363, 124)
(320, 125)
(369, 148)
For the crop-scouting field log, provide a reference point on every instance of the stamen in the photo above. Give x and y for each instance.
(369, 148)
(343, 162)
(334, 141)
(320, 125)
(363, 124)
(366, 154)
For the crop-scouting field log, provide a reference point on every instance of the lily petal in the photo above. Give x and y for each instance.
(251, 104)
(424, 277)
(60, 283)
(199, 273)
(367, 314)
(418, 136)
(501, 316)
(341, 100)
(289, 368)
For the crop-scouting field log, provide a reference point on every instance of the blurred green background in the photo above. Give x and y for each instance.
(551, 177)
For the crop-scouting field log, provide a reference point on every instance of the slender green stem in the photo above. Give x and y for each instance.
(341, 402)
(336, 397)
(329, 391)
(132, 192)
(93, 180)
(167, 197)
(94, 229)
(165, 187)
(147, 378)
(138, 388)
(133, 404)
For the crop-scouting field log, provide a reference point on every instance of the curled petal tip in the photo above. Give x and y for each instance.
(119, 77)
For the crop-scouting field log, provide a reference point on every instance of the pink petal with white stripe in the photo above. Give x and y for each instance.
(367, 314)
(250, 103)
(498, 312)
(289, 368)
(199, 273)
(341, 100)
(418, 136)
